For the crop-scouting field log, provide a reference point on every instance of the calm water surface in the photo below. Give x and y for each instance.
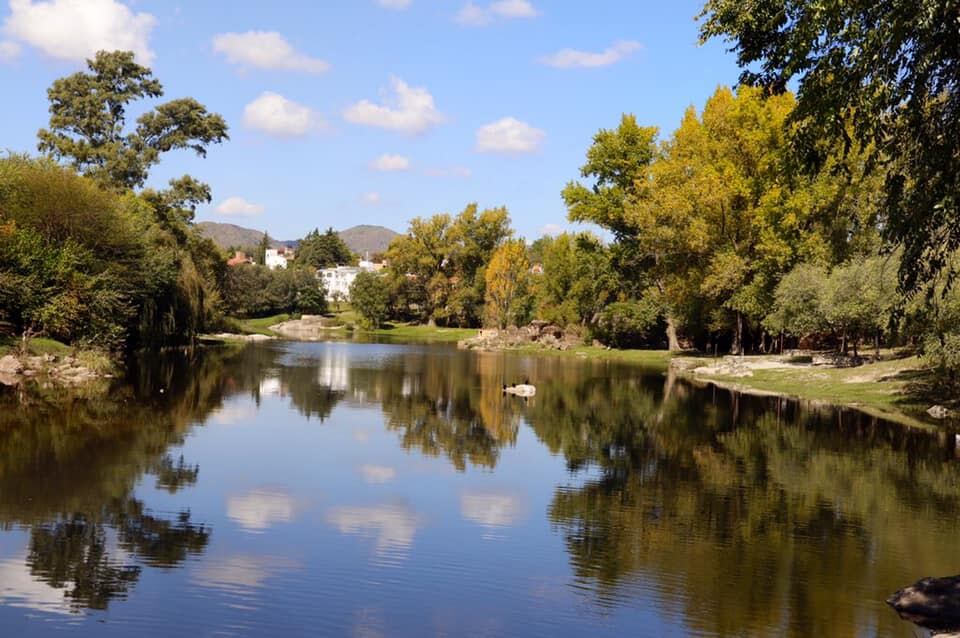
(342, 489)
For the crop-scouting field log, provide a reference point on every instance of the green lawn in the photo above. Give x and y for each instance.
(415, 332)
(38, 346)
(261, 325)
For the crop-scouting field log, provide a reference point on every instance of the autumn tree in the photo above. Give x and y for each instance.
(508, 278)
(881, 75)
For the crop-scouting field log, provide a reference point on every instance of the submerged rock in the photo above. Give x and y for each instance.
(930, 603)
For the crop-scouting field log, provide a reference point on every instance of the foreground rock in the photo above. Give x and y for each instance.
(538, 333)
(932, 604)
(47, 368)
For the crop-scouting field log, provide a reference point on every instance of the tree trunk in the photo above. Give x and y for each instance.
(673, 344)
(738, 336)
(843, 342)
(876, 345)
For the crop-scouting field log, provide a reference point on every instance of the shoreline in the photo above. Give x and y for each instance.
(878, 388)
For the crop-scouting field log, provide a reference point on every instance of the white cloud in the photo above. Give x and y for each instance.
(76, 29)
(9, 50)
(374, 474)
(452, 171)
(574, 59)
(238, 206)
(509, 135)
(551, 229)
(265, 50)
(276, 115)
(394, 526)
(474, 15)
(388, 163)
(258, 510)
(408, 110)
(372, 198)
(394, 4)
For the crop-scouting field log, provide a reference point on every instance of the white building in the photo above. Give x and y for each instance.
(277, 258)
(338, 280)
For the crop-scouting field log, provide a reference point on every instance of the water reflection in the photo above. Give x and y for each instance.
(258, 510)
(393, 526)
(723, 514)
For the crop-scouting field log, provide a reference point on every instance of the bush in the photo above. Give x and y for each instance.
(626, 324)
(943, 354)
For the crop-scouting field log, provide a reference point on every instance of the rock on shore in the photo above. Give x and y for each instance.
(538, 333)
(62, 370)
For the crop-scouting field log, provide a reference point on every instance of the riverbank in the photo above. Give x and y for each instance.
(51, 362)
(896, 387)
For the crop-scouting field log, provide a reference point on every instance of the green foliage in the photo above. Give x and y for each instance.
(617, 162)
(370, 297)
(578, 279)
(797, 307)
(881, 74)
(88, 117)
(318, 250)
(627, 324)
(251, 290)
(942, 352)
(437, 268)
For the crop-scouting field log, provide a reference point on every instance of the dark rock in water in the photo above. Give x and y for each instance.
(931, 603)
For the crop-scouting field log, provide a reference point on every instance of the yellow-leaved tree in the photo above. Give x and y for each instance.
(507, 279)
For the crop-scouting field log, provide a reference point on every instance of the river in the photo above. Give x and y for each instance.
(352, 489)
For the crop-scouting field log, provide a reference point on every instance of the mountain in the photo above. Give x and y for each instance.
(229, 235)
(366, 239)
(363, 240)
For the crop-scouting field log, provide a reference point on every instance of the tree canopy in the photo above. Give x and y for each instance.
(88, 122)
(881, 75)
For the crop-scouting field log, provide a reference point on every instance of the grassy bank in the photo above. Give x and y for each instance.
(260, 325)
(417, 332)
(659, 359)
(37, 346)
(897, 388)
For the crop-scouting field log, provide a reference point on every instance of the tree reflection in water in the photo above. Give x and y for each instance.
(741, 515)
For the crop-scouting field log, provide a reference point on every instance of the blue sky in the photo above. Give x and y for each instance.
(487, 101)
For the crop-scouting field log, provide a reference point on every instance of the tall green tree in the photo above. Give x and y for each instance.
(885, 75)
(88, 121)
(318, 250)
(370, 297)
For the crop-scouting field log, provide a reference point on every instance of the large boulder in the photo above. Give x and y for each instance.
(10, 365)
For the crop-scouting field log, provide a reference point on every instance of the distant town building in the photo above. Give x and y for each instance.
(238, 258)
(338, 280)
(277, 257)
